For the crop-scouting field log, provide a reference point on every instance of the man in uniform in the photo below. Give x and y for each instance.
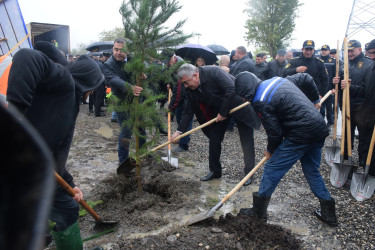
(359, 68)
(307, 63)
(330, 64)
(210, 93)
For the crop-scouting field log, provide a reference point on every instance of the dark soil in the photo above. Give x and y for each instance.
(164, 200)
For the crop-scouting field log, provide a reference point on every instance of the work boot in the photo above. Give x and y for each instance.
(70, 238)
(248, 182)
(259, 209)
(327, 212)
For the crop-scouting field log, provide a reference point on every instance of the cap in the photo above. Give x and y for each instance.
(309, 44)
(281, 52)
(325, 47)
(333, 51)
(366, 46)
(371, 45)
(354, 44)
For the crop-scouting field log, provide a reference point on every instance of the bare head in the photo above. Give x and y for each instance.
(189, 76)
(240, 52)
(224, 60)
(118, 52)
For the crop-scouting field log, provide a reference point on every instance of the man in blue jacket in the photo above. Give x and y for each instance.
(296, 131)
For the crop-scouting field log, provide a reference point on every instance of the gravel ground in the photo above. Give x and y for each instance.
(292, 203)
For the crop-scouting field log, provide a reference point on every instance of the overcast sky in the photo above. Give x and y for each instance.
(218, 21)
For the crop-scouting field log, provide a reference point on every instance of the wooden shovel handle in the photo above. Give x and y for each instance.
(348, 125)
(169, 117)
(371, 149)
(325, 97)
(70, 190)
(240, 184)
(343, 111)
(199, 127)
(336, 90)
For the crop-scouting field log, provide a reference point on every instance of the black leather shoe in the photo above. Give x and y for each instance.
(100, 115)
(248, 182)
(91, 111)
(210, 176)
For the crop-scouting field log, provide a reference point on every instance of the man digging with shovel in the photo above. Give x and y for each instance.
(210, 93)
(296, 131)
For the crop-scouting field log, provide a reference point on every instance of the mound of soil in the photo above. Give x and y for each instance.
(153, 217)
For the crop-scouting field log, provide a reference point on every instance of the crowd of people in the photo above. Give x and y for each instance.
(48, 88)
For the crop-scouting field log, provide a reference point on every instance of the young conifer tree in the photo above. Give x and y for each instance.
(145, 26)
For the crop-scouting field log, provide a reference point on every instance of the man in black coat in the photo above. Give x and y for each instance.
(359, 69)
(277, 66)
(48, 91)
(121, 86)
(210, 94)
(296, 131)
(307, 63)
(243, 62)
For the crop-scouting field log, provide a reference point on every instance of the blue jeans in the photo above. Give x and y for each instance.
(114, 115)
(184, 142)
(125, 136)
(284, 157)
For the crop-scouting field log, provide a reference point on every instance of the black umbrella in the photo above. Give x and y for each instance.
(192, 51)
(102, 45)
(218, 49)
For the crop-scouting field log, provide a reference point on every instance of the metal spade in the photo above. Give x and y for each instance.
(169, 158)
(332, 153)
(363, 185)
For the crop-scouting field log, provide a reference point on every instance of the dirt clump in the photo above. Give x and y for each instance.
(153, 218)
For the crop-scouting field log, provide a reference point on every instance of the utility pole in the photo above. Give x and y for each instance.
(361, 18)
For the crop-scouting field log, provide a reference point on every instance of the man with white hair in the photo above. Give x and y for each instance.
(210, 93)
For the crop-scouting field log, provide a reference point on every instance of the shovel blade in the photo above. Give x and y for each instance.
(339, 174)
(199, 217)
(126, 166)
(171, 160)
(332, 155)
(361, 188)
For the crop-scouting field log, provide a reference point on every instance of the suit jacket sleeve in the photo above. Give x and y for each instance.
(114, 80)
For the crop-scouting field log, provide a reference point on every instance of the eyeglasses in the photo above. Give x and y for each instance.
(371, 52)
(186, 82)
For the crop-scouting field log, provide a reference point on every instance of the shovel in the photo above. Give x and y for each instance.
(207, 214)
(332, 154)
(70, 190)
(340, 171)
(169, 158)
(363, 186)
(129, 164)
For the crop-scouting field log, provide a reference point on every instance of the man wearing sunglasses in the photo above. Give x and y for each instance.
(307, 63)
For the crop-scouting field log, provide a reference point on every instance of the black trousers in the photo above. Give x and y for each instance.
(216, 135)
(99, 98)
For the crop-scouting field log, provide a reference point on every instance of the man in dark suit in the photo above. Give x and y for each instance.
(243, 62)
(210, 93)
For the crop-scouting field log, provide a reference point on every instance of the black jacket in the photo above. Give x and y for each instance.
(284, 110)
(274, 68)
(306, 84)
(259, 70)
(214, 95)
(117, 77)
(49, 95)
(242, 65)
(359, 68)
(315, 68)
